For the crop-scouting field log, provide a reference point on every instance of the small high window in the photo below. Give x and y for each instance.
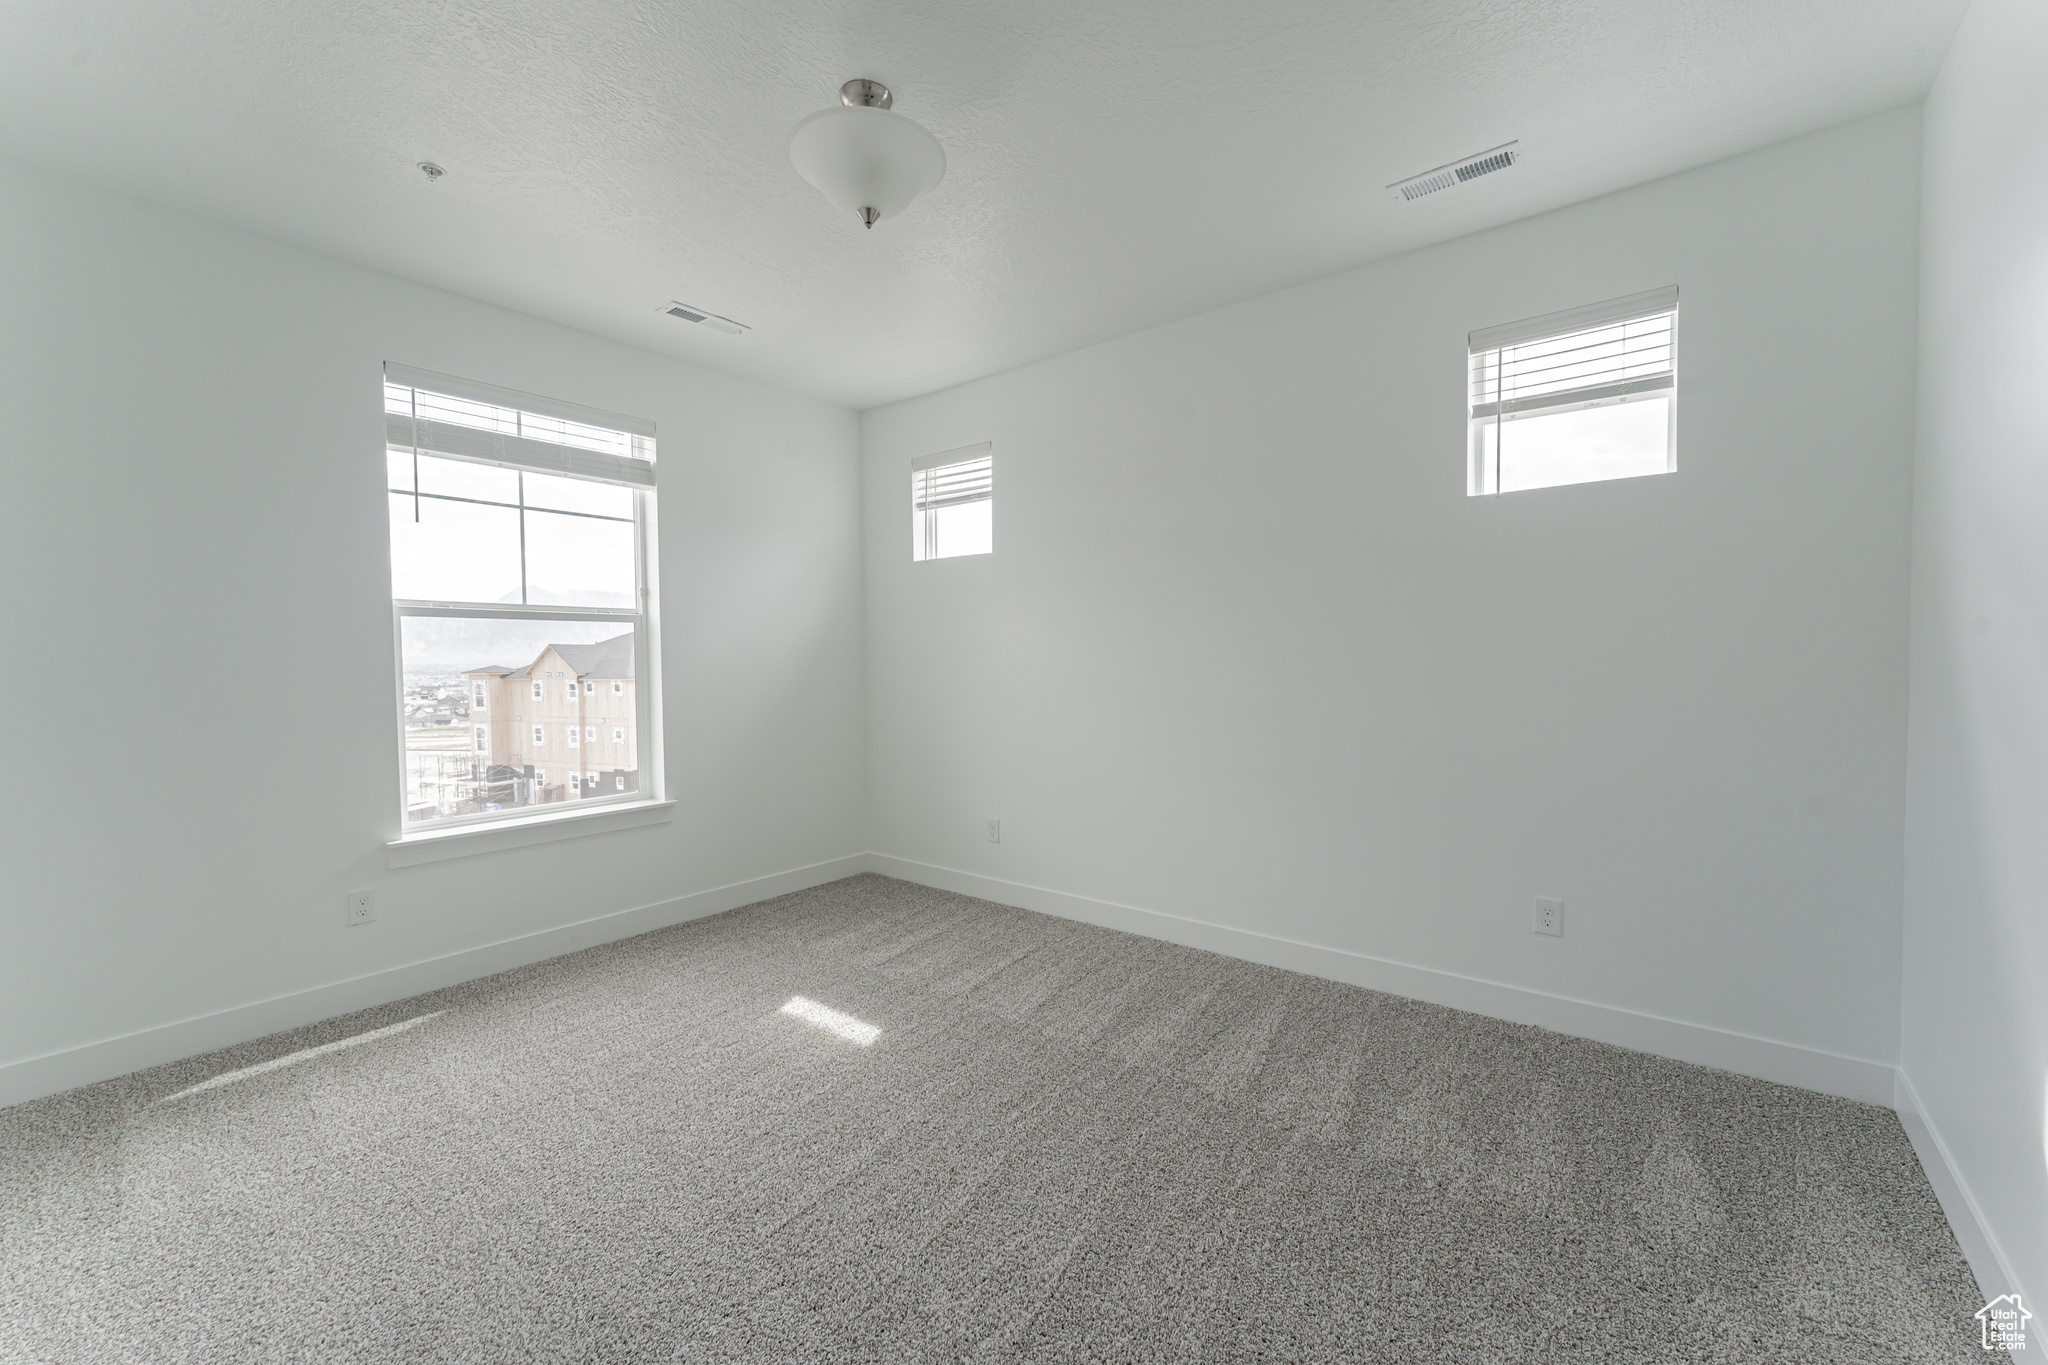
(1575, 397)
(952, 503)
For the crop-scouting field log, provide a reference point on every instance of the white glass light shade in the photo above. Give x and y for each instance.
(865, 158)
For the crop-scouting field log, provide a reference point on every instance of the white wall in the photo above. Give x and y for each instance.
(1975, 1029)
(1246, 653)
(202, 757)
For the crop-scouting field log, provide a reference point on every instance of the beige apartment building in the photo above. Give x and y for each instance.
(565, 724)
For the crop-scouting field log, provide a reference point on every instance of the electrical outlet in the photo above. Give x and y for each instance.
(1549, 918)
(362, 907)
(995, 831)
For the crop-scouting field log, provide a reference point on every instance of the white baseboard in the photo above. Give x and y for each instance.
(1786, 1063)
(1973, 1234)
(52, 1072)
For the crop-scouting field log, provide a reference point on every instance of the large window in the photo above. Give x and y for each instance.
(1575, 397)
(952, 503)
(519, 552)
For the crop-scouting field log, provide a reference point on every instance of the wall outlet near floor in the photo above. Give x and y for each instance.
(1549, 917)
(995, 830)
(362, 907)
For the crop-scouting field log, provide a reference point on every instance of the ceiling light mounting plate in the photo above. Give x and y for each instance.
(862, 93)
(431, 171)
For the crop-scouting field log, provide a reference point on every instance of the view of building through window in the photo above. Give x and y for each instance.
(511, 751)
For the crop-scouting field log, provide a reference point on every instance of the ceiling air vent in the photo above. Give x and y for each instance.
(699, 316)
(1457, 173)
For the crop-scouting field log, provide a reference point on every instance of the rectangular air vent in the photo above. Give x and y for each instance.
(702, 318)
(1458, 172)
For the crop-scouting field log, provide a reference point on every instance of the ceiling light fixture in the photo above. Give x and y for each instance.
(431, 171)
(865, 158)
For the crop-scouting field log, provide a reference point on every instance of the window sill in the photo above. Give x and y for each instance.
(436, 845)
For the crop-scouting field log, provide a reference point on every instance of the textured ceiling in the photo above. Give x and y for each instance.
(1112, 166)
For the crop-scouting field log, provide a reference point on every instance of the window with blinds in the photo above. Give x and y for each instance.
(952, 503)
(1575, 397)
(518, 552)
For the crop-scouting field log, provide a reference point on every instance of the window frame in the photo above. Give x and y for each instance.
(1483, 477)
(641, 619)
(923, 520)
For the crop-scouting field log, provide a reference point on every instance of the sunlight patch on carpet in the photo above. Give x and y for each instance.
(832, 1021)
(306, 1055)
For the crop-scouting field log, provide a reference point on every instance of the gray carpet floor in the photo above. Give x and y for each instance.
(1064, 1144)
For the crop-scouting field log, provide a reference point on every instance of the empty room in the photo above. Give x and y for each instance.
(1133, 682)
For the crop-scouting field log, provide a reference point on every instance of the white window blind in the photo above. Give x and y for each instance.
(950, 502)
(949, 485)
(460, 419)
(1537, 389)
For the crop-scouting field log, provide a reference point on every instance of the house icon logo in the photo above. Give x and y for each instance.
(2005, 1323)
